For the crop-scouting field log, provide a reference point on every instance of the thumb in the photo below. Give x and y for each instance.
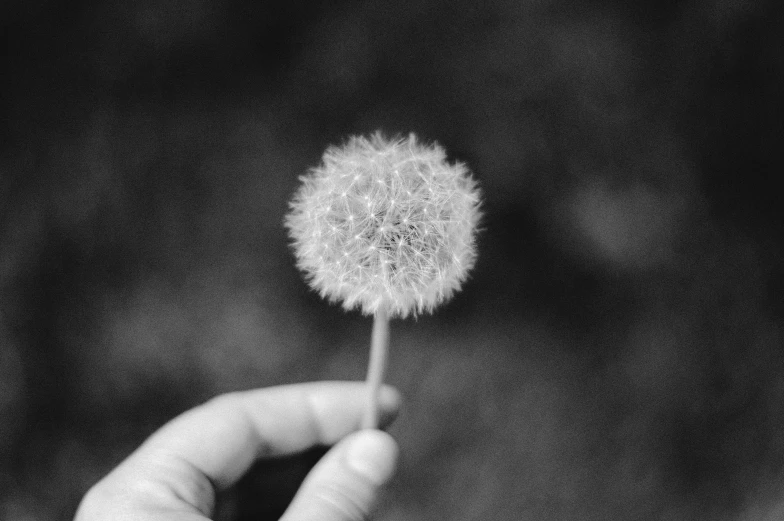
(344, 485)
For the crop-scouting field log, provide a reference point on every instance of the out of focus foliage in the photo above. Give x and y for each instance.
(618, 351)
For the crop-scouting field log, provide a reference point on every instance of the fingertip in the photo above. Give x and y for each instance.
(390, 402)
(390, 397)
(346, 483)
(373, 455)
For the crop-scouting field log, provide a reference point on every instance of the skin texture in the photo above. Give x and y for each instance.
(174, 475)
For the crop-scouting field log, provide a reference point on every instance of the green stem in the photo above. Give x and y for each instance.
(379, 347)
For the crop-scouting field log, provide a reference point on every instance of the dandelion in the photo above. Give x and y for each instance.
(387, 226)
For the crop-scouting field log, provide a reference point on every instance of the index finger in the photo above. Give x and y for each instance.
(223, 437)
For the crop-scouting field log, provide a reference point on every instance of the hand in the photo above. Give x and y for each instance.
(175, 474)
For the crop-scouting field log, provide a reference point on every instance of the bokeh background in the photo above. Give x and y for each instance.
(617, 353)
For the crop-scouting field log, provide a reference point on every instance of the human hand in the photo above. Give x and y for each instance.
(176, 473)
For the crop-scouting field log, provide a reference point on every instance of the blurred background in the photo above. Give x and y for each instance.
(617, 353)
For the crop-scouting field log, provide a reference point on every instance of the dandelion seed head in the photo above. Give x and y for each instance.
(413, 244)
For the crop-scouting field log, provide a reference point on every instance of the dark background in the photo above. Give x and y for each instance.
(617, 353)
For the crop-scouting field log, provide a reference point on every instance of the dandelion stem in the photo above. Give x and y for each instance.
(377, 365)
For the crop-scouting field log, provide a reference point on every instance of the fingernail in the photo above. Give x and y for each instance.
(373, 455)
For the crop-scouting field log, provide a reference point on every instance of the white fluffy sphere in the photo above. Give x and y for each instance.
(385, 222)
